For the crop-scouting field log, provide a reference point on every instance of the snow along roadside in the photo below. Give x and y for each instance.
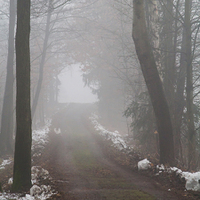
(192, 179)
(117, 139)
(37, 191)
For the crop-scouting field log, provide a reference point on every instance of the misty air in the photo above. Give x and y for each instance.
(99, 100)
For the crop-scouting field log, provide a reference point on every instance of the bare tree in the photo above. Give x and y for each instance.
(43, 57)
(6, 135)
(189, 89)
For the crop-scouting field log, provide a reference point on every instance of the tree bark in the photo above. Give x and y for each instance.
(169, 67)
(153, 82)
(179, 98)
(189, 89)
(22, 157)
(6, 135)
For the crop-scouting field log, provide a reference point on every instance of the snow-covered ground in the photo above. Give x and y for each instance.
(40, 138)
(37, 192)
(144, 164)
(5, 162)
(192, 179)
(118, 141)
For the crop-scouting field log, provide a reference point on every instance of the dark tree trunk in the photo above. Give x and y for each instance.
(154, 84)
(169, 65)
(22, 157)
(6, 136)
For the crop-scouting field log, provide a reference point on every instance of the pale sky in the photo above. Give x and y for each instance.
(72, 87)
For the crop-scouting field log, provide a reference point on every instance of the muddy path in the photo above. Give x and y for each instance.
(81, 170)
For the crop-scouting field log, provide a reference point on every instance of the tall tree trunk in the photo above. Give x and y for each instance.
(179, 97)
(189, 89)
(169, 68)
(42, 62)
(153, 28)
(154, 84)
(6, 135)
(22, 157)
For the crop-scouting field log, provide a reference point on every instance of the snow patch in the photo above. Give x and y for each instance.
(38, 173)
(192, 179)
(160, 167)
(57, 130)
(10, 181)
(117, 140)
(43, 192)
(27, 197)
(144, 164)
(40, 137)
(4, 163)
(36, 192)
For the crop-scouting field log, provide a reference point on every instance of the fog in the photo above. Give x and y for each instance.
(72, 88)
(90, 34)
(83, 52)
(83, 62)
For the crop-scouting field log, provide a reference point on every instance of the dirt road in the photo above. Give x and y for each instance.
(81, 171)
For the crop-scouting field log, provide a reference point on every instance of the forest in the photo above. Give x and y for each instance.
(139, 57)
